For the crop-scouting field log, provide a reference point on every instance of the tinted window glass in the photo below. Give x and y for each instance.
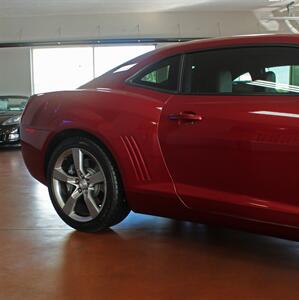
(254, 70)
(163, 75)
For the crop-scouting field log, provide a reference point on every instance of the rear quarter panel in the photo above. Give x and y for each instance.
(125, 121)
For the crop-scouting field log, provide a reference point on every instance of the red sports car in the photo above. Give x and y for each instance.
(206, 131)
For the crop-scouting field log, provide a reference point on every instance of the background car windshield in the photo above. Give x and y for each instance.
(9, 104)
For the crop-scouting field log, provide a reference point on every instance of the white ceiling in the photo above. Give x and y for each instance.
(11, 8)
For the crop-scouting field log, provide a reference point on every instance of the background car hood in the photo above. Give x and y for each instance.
(6, 115)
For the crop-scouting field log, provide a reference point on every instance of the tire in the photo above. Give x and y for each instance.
(85, 186)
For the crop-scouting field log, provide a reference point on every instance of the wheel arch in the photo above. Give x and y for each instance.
(68, 133)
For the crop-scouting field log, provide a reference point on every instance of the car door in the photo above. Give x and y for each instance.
(231, 142)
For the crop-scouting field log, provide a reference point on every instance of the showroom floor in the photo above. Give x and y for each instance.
(143, 258)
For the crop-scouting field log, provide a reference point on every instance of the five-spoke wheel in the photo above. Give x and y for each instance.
(85, 187)
(79, 184)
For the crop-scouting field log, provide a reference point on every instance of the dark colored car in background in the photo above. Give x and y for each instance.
(11, 108)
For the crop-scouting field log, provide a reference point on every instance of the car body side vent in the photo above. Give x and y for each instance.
(136, 158)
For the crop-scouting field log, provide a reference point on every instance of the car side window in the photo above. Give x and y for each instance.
(162, 75)
(269, 70)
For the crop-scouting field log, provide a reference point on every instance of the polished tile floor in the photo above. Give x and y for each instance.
(143, 258)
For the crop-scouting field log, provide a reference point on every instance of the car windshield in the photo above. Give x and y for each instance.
(10, 104)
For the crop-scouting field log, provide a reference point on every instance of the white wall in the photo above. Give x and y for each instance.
(15, 71)
(171, 24)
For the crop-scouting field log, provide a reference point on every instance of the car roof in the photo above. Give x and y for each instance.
(260, 39)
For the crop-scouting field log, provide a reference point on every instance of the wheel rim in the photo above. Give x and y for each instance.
(79, 184)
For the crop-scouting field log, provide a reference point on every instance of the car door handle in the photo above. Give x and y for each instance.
(185, 116)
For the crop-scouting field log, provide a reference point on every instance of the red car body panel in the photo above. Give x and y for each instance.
(237, 167)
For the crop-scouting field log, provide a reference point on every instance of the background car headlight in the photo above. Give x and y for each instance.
(12, 121)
